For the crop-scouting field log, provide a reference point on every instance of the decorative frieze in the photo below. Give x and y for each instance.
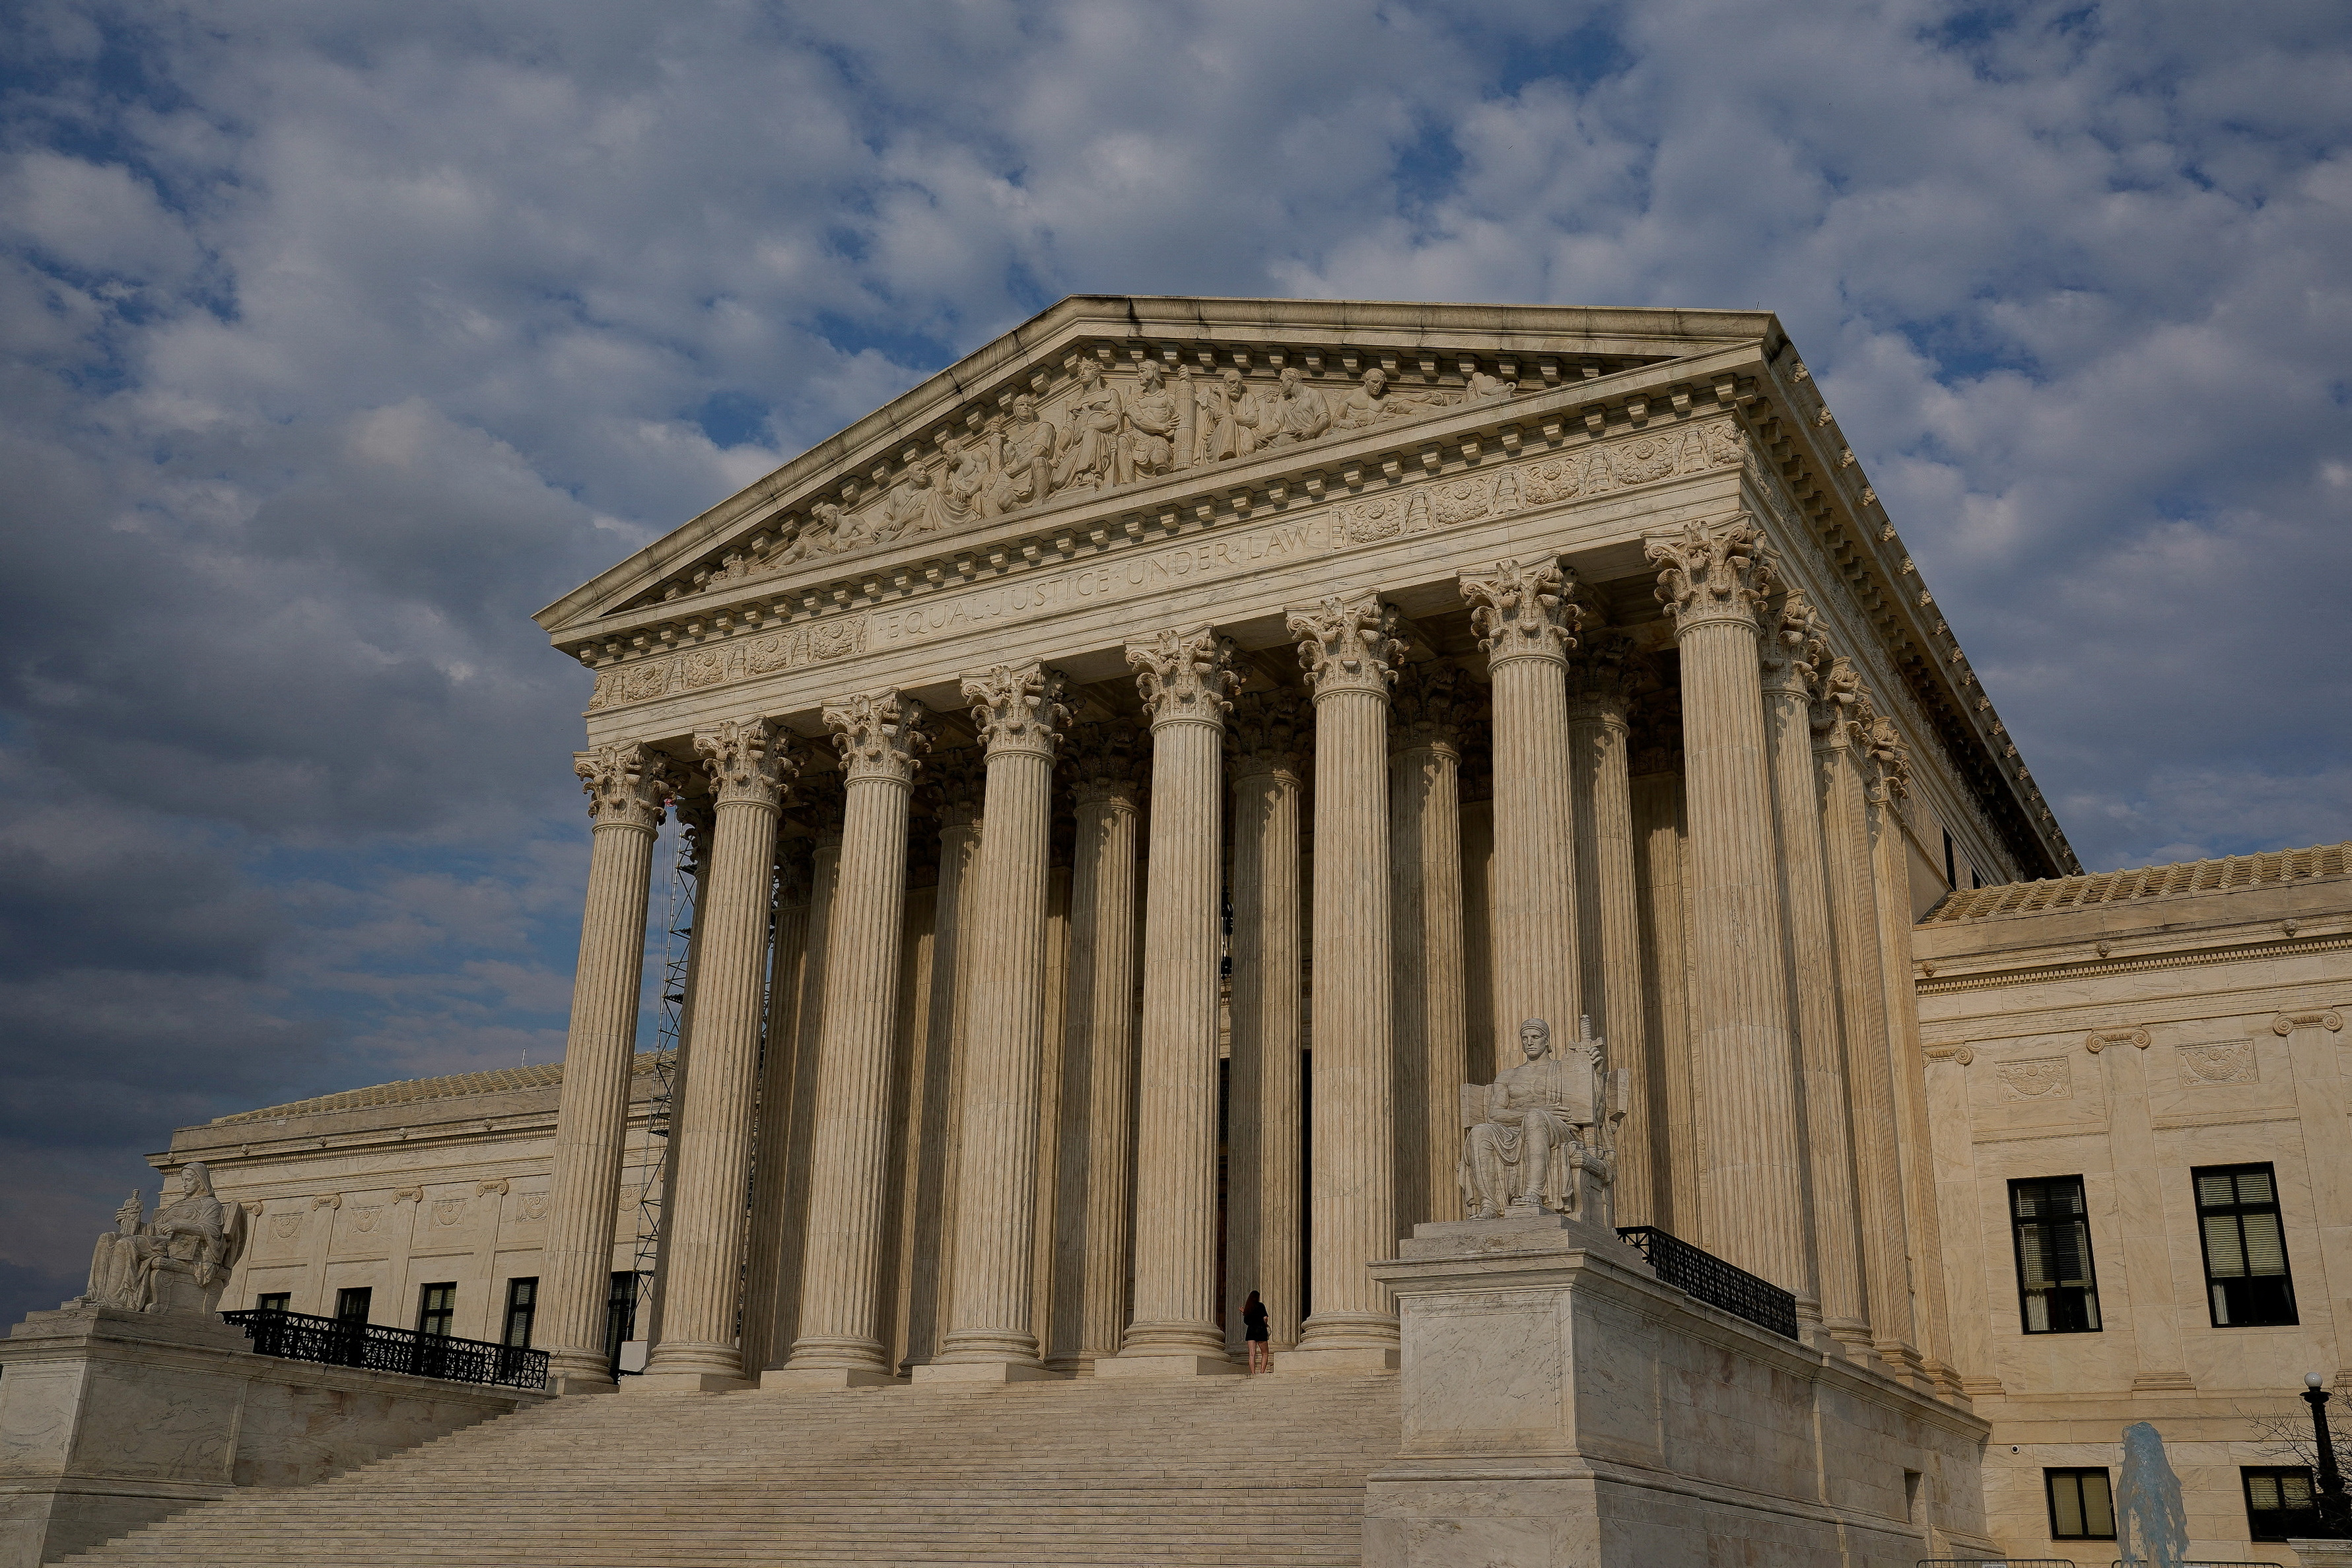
(2219, 1063)
(2040, 1078)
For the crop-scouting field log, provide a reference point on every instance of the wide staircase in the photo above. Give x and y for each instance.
(1241, 1473)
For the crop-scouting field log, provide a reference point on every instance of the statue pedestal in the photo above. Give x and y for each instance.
(112, 1420)
(1563, 1408)
(2323, 1553)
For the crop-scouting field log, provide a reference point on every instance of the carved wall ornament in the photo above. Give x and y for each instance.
(1523, 611)
(2041, 1078)
(328, 1200)
(1718, 571)
(533, 1206)
(822, 641)
(2099, 1040)
(447, 1211)
(1018, 708)
(408, 1194)
(1960, 1055)
(2287, 1023)
(2223, 1061)
(1348, 644)
(285, 1227)
(748, 759)
(365, 1218)
(880, 735)
(1184, 674)
(484, 1188)
(626, 782)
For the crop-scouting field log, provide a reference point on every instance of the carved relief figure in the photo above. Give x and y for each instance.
(1089, 447)
(1534, 1129)
(1298, 412)
(960, 484)
(912, 505)
(113, 1261)
(179, 1260)
(1485, 388)
(1231, 417)
(1149, 445)
(1375, 400)
(1022, 446)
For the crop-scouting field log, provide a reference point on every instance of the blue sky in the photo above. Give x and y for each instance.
(339, 338)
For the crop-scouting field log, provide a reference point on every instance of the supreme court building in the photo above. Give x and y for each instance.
(1129, 784)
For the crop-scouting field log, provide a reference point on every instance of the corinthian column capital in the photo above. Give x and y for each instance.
(1794, 645)
(1600, 678)
(1106, 762)
(748, 759)
(1710, 573)
(1840, 704)
(1432, 704)
(1523, 611)
(1184, 674)
(1347, 644)
(627, 783)
(1018, 708)
(1267, 734)
(1890, 760)
(880, 735)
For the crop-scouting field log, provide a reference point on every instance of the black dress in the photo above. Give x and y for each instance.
(1253, 1323)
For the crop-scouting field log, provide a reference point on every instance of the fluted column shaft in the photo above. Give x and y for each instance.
(841, 1308)
(1093, 1213)
(766, 1243)
(1673, 1124)
(1854, 899)
(1262, 1173)
(1753, 1179)
(1019, 714)
(627, 784)
(1792, 651)
(1351, 651)
(1184, 676)
(1426, 917)
(705, 1211)
(1526, 624)
(957, 798)
(1608, 908)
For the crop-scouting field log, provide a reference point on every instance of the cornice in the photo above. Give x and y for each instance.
(1935, 982)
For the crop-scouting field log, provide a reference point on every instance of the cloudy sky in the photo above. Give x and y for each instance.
(341, 337)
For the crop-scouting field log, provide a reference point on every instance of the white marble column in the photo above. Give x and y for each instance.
(1711, 581)
(1792, 653)
(1476, 783)
(1184, 676)
(839, 1343)
(1425, 911)
(766, 1243)
(1672, 1140)
(1841, 713)
(627, 784)
(1094, 1209)
(822, 802)
(1351, 651)
(1526, 624)
(750, 764)
(1018, 713)
(955, 782)
(1608, 901)
(1264, 1173)
(696, 815)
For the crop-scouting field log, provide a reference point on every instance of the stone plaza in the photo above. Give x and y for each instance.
(1463, 822)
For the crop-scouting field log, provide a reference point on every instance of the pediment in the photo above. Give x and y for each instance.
(1103, 392)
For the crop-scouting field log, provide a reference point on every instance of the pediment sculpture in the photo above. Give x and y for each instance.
(175, 1260)
(1542, 1138)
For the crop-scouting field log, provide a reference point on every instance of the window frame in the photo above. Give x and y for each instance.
(445, 1310)
(527, 1308)
(274, 1301)
(2051, 1475)
(2247, 1474)
(621, 1312)
(361, 1296)
(2090, 1256)
(2238, 1210)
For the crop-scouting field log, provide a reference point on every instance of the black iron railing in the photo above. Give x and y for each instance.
(1704, 1277)
(1996, 1562)
(297, 1336)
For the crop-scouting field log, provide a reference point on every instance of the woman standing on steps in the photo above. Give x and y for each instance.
(1261, 1354)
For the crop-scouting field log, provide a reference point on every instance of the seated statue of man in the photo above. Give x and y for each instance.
(1544, 1106)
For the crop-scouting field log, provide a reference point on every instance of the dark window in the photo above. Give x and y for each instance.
(436, 1307)
(2246, 1279)
(353, 1305)
(275, 1302)
(2279, 1503)
(2081, 1506)
(2057, 1290)
(619, 1314)
(1951, 875)
(522, 1306)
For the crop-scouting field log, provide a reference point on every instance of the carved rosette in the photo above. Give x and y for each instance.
(1793, 646)
(1106, 762)
(627, 784)
(1019, 707)
(1712, 573)
(1432, 703)
(1268, 733)
(1184, 674)
(749, 760)
(1523, 611)
(1348, 645)
(880, 735)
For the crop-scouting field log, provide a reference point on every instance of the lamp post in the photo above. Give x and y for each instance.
(2334, 1508)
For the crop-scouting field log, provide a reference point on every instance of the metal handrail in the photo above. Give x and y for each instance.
(1704, 1277)
(331, 1342)
(2192, 1562)
(2006, 1563)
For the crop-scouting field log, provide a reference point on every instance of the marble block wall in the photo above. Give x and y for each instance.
(1563, 1409)
(112, 1420)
